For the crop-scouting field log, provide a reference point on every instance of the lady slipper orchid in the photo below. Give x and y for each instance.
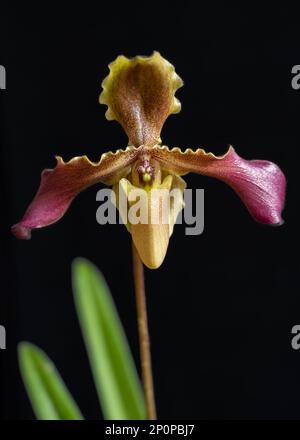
(140, 95)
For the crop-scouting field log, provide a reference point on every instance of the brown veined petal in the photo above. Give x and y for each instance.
(259, 183)
(60, 185)
(139, 93)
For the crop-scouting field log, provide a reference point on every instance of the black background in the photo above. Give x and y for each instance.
(222, 306)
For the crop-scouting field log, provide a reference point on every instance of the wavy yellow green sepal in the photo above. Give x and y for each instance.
(140, 94)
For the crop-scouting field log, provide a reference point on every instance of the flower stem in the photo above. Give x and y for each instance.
(139, 284)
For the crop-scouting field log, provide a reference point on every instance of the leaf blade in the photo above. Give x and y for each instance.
(49, 396)
(114, 372)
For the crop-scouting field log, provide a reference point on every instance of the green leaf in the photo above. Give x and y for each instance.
(48, 394)
(114, 372)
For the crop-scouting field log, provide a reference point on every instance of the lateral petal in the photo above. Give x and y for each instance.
(259, 183)
(60, 185)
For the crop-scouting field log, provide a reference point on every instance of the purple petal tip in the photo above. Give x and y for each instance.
(21, 232)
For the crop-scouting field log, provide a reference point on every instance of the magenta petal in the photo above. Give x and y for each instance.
(49, 205)
(59, 186)
(259, 183)
(261, 186)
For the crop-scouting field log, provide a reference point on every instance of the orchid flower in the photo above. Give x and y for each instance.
(140, 95)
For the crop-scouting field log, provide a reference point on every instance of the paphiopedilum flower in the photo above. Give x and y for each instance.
(140, 95)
